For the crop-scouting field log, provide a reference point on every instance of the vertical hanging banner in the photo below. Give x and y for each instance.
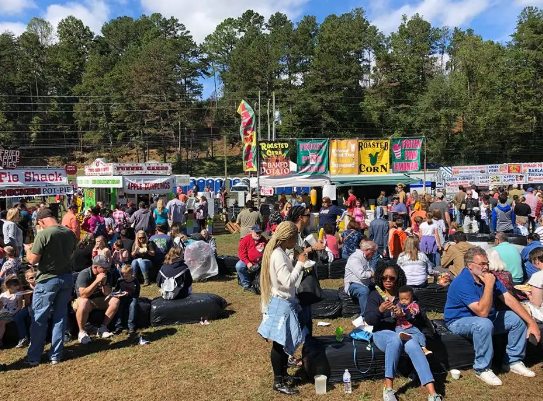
(374, 156)
(248, 136)
(343, 156)
(313, 157)
(274, 158)
(406, 154)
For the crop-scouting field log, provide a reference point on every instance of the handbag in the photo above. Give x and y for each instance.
(309, 291)
(359, 334)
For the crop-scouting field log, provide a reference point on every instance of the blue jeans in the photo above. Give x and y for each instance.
(415, 332)
(127, 312)
(51, 298)
(20, 320)
(361, 292)
(481, 329)
(389, 342)
(143, 264)
(245, 278)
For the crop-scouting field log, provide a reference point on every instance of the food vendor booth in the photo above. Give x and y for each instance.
(123, 182)
(29, 182)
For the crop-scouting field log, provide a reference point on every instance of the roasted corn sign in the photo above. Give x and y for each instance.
(274, 158)
(374, 157)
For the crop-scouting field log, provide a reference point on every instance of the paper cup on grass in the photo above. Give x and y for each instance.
(455, 373)
(320, 384)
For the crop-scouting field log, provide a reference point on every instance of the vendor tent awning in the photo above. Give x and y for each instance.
(294, 180)
(365, 180)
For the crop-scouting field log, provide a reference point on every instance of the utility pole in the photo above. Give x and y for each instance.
(273, 116)
(269, 127)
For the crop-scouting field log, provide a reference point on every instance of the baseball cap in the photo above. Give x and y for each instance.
(256, 228)
(101, 260)
(440, 195)
(530, 189)
(44, 213)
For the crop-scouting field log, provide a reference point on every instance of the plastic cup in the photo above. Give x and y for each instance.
(455, 373)
(372, 207)
(320, 384)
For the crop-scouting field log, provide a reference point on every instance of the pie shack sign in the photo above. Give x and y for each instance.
(39, 177)
(101, 167)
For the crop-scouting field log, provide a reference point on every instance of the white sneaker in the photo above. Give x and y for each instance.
(489, 377)
(104, 333)
(519, 368)
(83, 338)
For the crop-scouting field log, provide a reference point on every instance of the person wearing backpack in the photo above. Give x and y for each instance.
(174, 278)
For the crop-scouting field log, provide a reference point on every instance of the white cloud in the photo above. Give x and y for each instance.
(202, 16)
(443, 12)
(526, 3)
(15, 6)
(14, 27)
(94, 13)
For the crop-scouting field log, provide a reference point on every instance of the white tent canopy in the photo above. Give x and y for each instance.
(293, 180)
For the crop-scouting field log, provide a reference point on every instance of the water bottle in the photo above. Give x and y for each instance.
(347, 382)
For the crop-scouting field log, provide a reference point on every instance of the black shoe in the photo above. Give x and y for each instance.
(118, 331)
(293, 380)
(250, 289)
(284, 388)
(131, 332)
(67, 337)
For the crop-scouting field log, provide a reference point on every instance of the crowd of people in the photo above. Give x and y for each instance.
(86, 263)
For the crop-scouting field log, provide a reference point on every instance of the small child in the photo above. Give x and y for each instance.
(11, 302)
(397, 239)
(330, 240)
(415, 230)
(453, 228)
(12, 264)
(127, 309)
(21, 317)
(405, 329)
(120, 255)
(521, 226)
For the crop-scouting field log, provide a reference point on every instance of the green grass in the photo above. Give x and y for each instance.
(226, 360)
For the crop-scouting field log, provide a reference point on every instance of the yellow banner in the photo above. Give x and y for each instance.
(374, 157)
(343, 159)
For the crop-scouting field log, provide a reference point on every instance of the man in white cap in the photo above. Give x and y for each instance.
(93, 285)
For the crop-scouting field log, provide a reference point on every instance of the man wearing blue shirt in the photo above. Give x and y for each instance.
(533, 242)
(470, 312)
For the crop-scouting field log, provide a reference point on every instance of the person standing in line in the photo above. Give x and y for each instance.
(459, 198)
(531, 200)
(52, 252)
(70, 220)
(248, 218)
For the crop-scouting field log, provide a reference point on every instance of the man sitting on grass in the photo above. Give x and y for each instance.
(250, 251)
(93, 285)
(470, 312)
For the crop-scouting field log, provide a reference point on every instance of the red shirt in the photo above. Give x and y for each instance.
(251, 251)
(331, 243)
(351, 203)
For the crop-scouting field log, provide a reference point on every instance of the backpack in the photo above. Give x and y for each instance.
(100, 229)
(169, 288)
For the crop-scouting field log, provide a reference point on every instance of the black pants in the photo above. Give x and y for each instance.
(279, 361)
(531, 224)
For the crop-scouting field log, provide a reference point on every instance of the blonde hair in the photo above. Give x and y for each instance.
(160, 206)
(10, 251)
(283, 232)
(412, 247)
(12, 214)
(495, 263)
(285, 210)
(127, 269)
(173, 254)
(522, 220)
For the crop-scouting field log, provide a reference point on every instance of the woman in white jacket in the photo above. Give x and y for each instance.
(13, 235)
(280, 306)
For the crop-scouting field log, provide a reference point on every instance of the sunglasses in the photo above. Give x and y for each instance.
(389, 278)
(142, 238)
(31, 278)
(306, 215)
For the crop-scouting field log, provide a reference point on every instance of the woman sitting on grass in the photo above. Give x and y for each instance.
(280, 305)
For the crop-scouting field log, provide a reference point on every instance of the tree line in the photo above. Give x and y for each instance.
(139, 84)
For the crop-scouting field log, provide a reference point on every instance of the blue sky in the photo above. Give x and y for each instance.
(493, 19)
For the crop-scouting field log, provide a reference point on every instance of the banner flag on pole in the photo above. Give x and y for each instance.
(248, 136)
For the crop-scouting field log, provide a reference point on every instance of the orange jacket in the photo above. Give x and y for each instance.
(396, 243)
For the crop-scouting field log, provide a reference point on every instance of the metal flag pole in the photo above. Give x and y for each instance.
(424, 176)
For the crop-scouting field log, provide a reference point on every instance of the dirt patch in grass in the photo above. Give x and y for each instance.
(226, 360)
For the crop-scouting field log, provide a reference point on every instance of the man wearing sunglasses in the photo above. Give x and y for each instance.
(470, 312)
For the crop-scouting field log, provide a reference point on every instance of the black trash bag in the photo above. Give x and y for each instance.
(349, 306)
(432, 298)
(329, 307)
(143, 313)
(256, 283)
(229, 264)
(322, 270)
(309, 291)
(517, 239)
(11, 335)
(187, 310)
(326, 356)
(450, 350)
(337, 268)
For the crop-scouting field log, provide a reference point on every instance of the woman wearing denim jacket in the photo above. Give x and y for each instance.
(381, 311)
(280, 306)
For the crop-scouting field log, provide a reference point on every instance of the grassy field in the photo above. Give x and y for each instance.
(226, 360)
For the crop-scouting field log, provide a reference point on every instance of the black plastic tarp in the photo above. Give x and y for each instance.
(349, 306)
(432, 298)
(187, 310)
(337, 268)
(329, 307)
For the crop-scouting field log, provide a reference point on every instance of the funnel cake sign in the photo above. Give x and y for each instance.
(406, 154)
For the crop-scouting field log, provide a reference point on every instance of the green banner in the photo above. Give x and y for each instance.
(313, 157)
(406, 154)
